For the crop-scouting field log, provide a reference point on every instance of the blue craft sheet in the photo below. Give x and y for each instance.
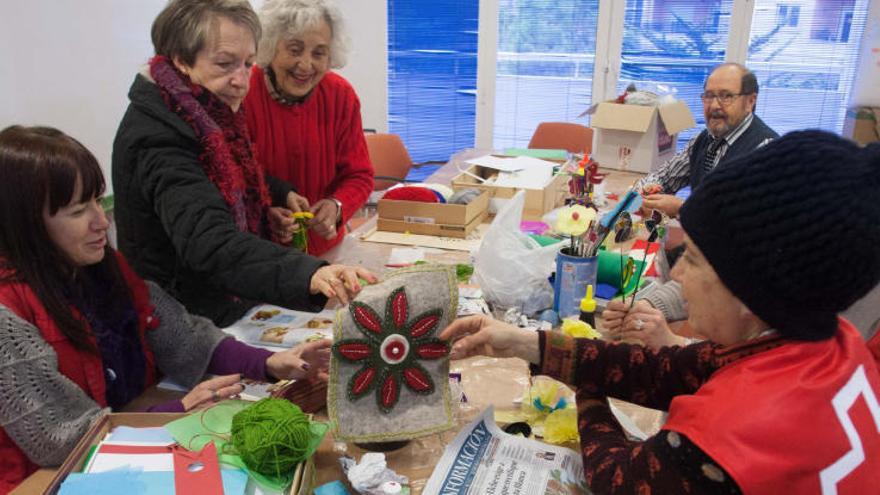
(150, 435)
(630, 203)
(332, 488)
(605, 291)
(131, 482)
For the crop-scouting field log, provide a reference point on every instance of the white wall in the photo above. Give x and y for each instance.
(367, 69)
(866, 87)
(69, 63)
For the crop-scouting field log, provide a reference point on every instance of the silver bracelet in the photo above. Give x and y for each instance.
(338, 209)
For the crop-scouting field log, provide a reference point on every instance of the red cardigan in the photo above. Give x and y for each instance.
(83, 368)
(317, 145)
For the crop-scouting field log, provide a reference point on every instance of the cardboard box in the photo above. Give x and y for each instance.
(862, 124)
(99, 430)
(637, 138)
(537, 202)
(436, 229)
(440, 219)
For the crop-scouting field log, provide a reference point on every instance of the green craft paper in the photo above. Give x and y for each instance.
(610, 265)
(631, 286)
(609, 271)
(197, 429)
(543, 154)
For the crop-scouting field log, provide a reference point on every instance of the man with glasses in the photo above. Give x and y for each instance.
(732, 130)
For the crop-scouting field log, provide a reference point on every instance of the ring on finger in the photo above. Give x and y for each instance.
(639, 324)
(215, 396)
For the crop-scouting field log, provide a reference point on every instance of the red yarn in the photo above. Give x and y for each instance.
(411, 193)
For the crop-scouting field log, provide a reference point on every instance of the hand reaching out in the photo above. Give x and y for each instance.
(339, 281)
(309, 360)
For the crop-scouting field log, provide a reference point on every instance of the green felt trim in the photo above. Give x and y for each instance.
(386, 374)
(425, 375)
(352, 396)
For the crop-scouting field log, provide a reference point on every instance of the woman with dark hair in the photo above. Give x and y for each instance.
(782, 397)
(79, 331)
(195, 211)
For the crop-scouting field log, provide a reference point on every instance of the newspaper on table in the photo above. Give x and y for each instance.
(274, 326)
(485, 460)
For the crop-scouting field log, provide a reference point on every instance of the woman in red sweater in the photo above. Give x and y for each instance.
(304, 119)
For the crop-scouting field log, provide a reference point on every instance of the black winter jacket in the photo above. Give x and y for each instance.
(175, 228)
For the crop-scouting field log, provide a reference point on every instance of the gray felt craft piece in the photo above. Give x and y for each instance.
(406, 301)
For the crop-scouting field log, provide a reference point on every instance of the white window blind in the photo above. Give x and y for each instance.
(805, 56)
(544, 70)
(673, 45)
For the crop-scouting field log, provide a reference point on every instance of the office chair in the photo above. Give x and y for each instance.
(575, 138)
(391, 161)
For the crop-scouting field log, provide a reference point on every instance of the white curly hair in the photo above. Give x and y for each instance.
(287, 19)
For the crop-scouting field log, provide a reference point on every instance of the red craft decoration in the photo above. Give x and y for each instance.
(391, 350)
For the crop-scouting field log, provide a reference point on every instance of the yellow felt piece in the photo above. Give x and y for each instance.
(579, 329)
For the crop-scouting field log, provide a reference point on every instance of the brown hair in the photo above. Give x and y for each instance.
(183, 27)
(40, 167)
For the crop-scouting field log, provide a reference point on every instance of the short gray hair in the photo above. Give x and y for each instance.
(183, 27)
(286, 19)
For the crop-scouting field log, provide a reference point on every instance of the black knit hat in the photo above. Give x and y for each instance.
(793, 229)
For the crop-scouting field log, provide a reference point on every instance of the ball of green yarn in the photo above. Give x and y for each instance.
(271, 436)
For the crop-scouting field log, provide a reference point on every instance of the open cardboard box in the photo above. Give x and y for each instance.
(301, 480)
(440, 219)
(537, 202)
(862, 124)
(635, 137)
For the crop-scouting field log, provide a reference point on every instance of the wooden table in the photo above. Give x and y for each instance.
(485, 381)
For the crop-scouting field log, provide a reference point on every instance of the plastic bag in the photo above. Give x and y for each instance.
(511, 268)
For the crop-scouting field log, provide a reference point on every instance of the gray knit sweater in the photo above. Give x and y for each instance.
(667, 298)
(46, 414)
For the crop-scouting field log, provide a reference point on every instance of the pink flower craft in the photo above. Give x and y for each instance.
(391, 350)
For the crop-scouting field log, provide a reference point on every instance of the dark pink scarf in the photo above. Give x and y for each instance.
(227, 154)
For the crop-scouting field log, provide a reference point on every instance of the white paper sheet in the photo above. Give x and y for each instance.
(529, 178)
(497, 163)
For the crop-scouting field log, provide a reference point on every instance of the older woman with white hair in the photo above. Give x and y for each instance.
(305, 119)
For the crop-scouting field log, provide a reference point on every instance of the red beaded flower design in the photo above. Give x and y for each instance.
(391, 350)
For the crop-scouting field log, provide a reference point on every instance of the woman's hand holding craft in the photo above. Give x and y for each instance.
(282, 224)
(484, 336)
(339, 281)
(666, 203)
(212, 391)
(612, 317)
(309, 360)
(643, 323)
(297, 203)
(326, 212)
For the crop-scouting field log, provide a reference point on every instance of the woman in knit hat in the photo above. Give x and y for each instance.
(782, 396)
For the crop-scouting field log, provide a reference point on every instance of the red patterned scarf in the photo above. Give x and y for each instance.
(227, 154)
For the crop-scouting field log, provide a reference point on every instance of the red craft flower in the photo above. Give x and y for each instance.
(391, 350)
